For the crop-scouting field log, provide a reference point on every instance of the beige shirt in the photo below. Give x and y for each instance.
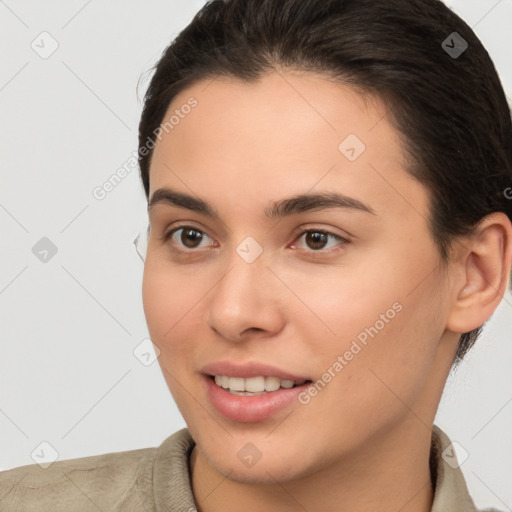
(158, 480)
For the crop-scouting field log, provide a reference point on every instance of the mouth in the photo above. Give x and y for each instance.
(252, 399)
(255, 386)
(252, 391)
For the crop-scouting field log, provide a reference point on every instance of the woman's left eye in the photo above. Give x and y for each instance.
(317, 239)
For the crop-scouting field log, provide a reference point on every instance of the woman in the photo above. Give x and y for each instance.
(329, 231)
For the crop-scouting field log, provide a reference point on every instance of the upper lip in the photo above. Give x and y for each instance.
(252, 369)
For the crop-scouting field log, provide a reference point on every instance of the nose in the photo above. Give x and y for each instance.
(246, 301)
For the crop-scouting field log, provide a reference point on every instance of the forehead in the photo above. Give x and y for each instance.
(288, 131)
(281, 110)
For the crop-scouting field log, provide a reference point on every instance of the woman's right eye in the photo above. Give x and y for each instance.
(187, 237)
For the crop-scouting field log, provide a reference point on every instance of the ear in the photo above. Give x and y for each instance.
(482, 273)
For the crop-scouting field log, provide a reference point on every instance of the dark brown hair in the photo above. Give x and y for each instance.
(447, 103)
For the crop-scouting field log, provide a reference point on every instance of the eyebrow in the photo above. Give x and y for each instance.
(299, 203)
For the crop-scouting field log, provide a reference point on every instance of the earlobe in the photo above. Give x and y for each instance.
(484, 271)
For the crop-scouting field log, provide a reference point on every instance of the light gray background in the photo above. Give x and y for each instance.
(68, 375)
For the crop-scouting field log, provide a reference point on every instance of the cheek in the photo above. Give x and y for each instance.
(341, 304)
(169, 310)
(165, 307)
(169, 299)
(384, 317)
(385, 362)
(174, 302)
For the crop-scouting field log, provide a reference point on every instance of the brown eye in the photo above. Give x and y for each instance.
(315, 240)
(187, 237)
(190, 237)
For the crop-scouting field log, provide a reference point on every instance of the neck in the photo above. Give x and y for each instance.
(389, 473)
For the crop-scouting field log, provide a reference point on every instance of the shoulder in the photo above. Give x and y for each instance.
(451, 491)
(111, 481)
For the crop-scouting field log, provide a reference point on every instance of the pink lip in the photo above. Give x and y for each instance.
(249, 370)
(250, 409)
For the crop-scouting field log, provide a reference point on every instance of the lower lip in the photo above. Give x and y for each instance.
(249, 409)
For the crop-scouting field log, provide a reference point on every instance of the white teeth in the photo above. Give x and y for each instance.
(254, 384)
(272, 383)
(237, 383)
(257, 385)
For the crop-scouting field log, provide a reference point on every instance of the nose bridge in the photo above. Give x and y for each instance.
(244, 298)
(245, 272)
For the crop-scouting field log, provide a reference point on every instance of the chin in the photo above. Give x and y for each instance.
(278, 467)
(263, 474)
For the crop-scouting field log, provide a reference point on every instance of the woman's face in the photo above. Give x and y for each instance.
(348, 295)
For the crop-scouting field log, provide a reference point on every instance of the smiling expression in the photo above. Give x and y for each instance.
(283, 226)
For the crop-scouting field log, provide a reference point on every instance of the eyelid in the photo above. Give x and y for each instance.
(330, 231)
(174, 226)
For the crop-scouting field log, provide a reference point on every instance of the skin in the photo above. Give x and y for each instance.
(363, 442)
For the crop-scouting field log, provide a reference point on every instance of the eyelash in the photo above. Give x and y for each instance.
(167, 236)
